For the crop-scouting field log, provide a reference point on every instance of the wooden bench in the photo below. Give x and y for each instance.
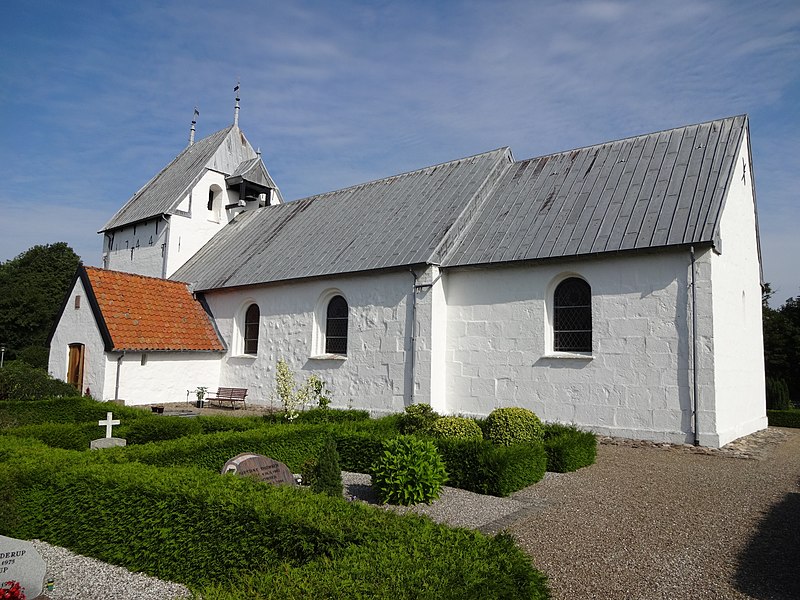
(228, 394)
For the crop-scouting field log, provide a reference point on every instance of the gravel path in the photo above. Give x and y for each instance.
(651, 522)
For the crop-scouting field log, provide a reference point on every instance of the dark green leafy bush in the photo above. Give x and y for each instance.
(568, 448)
(328, 476)
(506, 426)
(455, 427)
(479, 466)
(408, 471)
(20, 381)
(784, 418)
(417, 418)
(778, 394)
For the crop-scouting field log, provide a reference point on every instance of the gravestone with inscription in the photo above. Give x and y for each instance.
(19, 561)
(109, 441)
(259, 467)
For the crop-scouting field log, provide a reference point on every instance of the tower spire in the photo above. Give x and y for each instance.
(194, 122)
(236, 108)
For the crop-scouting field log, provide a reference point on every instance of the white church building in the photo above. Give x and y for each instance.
(616, 286)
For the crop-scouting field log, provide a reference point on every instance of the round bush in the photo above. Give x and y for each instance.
(507, 426)
(408, 471)
(417, 418)
(456, 427)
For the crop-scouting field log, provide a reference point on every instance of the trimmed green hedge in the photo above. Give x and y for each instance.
(230, 537)
(21, 381)
(479, 466)
(69, 436)
(784, 418)
(64, 410)
(568, 448)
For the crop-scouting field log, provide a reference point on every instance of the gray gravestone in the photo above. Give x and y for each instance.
(19, 561)
(259, 467)
(108, 441)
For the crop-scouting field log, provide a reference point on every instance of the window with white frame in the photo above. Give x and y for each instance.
(250, 330)
(572, 316)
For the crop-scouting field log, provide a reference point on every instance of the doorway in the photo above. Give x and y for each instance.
(75, 366)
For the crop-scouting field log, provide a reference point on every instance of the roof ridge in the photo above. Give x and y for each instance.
(132, 275)
(632, 137)
(399, 175)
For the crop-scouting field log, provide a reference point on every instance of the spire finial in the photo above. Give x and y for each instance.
(194, 122)
(236, 108)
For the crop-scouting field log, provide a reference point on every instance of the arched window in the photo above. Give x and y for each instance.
(572, 316)
(214, 205)
(251, 318)
(336, 326)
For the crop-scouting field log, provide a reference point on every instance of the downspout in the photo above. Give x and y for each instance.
(413, 333)
(694, 352)
(119, 367)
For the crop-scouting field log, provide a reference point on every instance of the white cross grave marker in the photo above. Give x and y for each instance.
(109, 423)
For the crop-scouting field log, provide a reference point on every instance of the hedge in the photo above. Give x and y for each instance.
(64, 410)
(568, 448)
(69, 436)
(231, 537)
(784, 418)
(479, 466)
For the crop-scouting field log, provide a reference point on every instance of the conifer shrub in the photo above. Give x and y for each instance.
(143, 431)
(417, 418)
(68, 436)
(568, 448)
(65, 410)
(328, 476)
(778, 394)
(21, 381)
(408, 471)
(513, 425)
(455, 427)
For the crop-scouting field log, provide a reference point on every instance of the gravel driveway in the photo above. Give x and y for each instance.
(651, 522)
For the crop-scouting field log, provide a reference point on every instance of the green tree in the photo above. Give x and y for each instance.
(782, 342)
(32, 289)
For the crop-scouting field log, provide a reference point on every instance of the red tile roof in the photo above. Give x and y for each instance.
(145, 313)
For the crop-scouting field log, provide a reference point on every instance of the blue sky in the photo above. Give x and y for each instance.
(96, 97)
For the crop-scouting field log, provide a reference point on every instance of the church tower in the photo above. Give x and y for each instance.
(180, 209)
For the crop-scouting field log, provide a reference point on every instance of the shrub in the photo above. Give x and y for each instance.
(332, 415)
(784, 418)
(506, 426)
(455, 427)
(159, 429)
(568, 448)
(69, 436)
(481, 467)
(328, 476)
(417, 418)
(35, 356)
(409, 471)
(65, 410)
(778, 394)
(20, 381)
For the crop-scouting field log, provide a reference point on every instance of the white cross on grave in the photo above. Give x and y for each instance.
(109, 423)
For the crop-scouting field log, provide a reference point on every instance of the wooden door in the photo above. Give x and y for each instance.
(75, 366)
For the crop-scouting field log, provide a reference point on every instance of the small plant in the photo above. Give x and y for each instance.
(285, 387)
(315, 391)
(507, 426)
(308, 471)
(455, 427)
(417, 418)
(328, 475)
(200, 392)
(408, 471)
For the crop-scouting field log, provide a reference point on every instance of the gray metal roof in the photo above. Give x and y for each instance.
(662, 189)
(651, 191)
(254, 171)
(223, 151)
(402, 220)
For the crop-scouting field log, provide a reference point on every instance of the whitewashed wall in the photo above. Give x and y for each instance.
(374, 375)
(137, 248)
(78, 326)
(165, 376)
(188, 235)
(738, 340)
(635, 384)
